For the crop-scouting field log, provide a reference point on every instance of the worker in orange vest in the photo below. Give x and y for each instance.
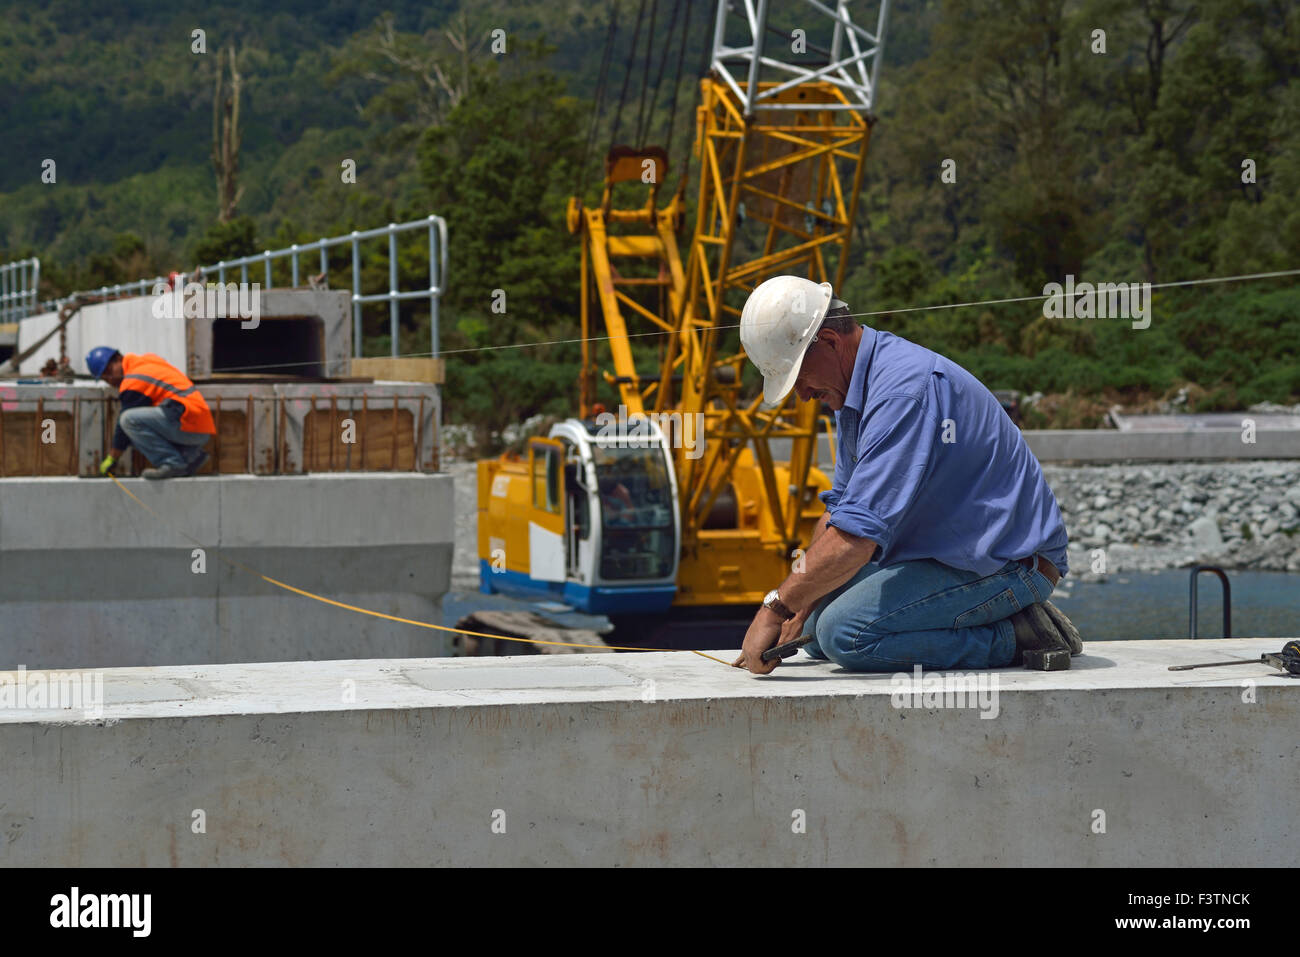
(163, 415)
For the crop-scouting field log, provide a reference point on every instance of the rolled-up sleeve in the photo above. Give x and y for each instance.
(895, 450)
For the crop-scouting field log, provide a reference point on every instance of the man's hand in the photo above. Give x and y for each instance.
(794, 628)
(106, 466)
(763, 633)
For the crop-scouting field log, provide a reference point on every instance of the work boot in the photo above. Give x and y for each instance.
(1065, 627)
(198, 464)
(164, 472)
(1035, 631)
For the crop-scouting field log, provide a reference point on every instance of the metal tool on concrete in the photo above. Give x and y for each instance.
(1288, 660)
(1046, 660)
(787, 649)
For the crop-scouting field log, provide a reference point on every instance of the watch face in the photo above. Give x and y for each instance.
(770, 597)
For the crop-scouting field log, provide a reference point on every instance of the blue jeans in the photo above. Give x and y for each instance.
(156, 432)
(924, 613)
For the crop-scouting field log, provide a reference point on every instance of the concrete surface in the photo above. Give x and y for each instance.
(660, 758)
(1272, 441)
(1183, 421)
(1111, 445)
(88, 578)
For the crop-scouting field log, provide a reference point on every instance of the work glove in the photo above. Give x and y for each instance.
(106, 466)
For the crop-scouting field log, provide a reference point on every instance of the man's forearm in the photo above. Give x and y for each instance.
(832, 559)
(822, 524)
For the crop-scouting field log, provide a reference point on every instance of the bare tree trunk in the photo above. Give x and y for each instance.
(225, 140)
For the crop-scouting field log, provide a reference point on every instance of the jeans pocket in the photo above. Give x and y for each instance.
(1000, 606)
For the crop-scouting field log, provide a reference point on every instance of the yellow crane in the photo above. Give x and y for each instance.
(781, 142)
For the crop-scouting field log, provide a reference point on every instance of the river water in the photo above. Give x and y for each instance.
(1155, 605)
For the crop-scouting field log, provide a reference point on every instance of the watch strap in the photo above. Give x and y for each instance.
(780, 607)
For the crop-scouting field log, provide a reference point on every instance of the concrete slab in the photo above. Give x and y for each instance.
(89, 578)
(1111, 445)
(334, 510)
(1205, 440)
(52, 513)
(663, 758)
(1184, 421)
(145, 691)
(310, 686)
(585, 675)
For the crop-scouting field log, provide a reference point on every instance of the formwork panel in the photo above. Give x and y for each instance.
(237, 448)
(23, 446)
(262, 428)
(393, 427)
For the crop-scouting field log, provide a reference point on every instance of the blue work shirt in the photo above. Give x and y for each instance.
(929, 465)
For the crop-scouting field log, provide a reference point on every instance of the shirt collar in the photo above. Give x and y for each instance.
(861, 368)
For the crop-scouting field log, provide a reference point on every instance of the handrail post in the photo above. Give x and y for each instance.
(392, 287)
(434, 281)
(1227, 599)
(356, 297)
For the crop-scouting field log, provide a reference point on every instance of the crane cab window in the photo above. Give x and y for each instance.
(547, 469)
(636, 506)
(579, 502)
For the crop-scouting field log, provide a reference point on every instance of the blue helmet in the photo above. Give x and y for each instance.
(98, 358)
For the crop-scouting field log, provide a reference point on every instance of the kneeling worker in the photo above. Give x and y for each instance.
(941, 541)
(163, 415)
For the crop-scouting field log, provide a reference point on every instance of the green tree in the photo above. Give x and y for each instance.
(500, 169)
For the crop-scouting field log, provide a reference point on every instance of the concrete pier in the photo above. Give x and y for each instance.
(310, 330)
(89, 579)
(1192, 444)
(660, 758)
(1111, 445)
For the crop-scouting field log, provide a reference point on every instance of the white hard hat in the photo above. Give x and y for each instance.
(777, 326)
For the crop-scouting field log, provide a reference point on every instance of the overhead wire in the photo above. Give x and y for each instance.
(611, 33)
(677, 78)
(645, 76)
(1245, 277)
(642, 120)
(627, 76)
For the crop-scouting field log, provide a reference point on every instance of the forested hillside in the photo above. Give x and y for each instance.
(1173, 155)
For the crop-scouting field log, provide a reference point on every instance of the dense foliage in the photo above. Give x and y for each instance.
(1125, 165)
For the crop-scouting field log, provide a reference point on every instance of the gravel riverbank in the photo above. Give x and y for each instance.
(1241, 515)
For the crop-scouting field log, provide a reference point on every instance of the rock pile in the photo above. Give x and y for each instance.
(1146, 517)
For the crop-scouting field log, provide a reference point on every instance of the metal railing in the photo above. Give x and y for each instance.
(436, 226)
(19, 281)
(1227, 600)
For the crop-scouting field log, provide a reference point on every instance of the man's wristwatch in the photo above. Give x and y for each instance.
(773, 601)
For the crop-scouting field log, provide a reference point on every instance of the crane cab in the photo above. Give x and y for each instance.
(586, 518)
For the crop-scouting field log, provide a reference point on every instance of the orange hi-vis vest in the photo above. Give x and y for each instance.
(160, 380)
